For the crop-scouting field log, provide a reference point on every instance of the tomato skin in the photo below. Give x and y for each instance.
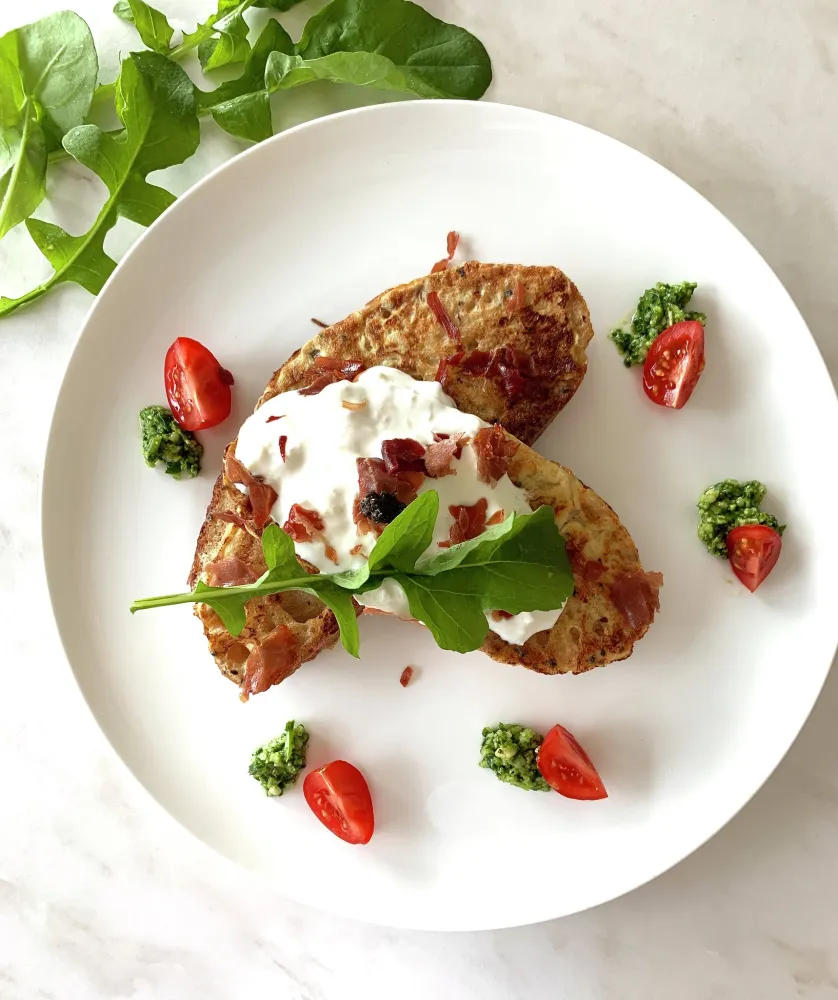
(566, 767)
(197, 387)
(753, 551)
(339, 796)
(674, 364)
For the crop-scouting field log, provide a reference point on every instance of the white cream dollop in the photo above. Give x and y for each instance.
(323, 440)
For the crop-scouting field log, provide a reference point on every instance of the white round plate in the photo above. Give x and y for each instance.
(315, 223)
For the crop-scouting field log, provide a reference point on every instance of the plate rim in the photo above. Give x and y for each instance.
(46, 488)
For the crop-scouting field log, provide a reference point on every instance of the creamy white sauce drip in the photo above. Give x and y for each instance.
(324, 438)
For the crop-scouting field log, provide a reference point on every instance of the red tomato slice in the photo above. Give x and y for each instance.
(565, 766)
(339, 797)
(197, 387)
(753, 550)
(674, 363)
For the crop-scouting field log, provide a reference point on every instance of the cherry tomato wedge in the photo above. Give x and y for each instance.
(197, 387)
(753, 551)
(674, 363)
(339, 797)
(565, 766)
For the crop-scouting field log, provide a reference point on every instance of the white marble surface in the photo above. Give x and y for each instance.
(103, 898)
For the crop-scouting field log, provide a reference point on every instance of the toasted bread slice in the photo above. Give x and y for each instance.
(591, 631)
(398, 329)
(552, 327)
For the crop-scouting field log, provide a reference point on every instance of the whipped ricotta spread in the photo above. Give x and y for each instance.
(324, 437)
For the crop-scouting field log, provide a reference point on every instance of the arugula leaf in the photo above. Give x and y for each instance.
(339, 602)
(23, 170)
(388, 44)
(398, 547)
(520, 565)
(48, 71)
(155, 102)
(221, 39)
(426, 56)
(242, 106)
(280, 5)
(152, 25)
(407, 536)
(455, 621)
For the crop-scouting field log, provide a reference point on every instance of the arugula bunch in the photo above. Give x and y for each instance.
(48, 84)
(519, 565)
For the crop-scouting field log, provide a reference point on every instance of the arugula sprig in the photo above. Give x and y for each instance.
(155, 102)
(48, 90)
(48, 73)
(519, 565)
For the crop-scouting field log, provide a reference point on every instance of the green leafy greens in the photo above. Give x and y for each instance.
(519, 565)
(155, 102)
(727, 505)
(511, 751)
(48, 80)
(48, 74)
(658, 309)
(152, 26)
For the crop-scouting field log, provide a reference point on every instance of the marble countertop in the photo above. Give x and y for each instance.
(102, 897)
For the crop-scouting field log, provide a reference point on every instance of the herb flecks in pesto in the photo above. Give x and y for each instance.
(276, 764)
(165, 441)
(511, 752)
(728, 505)
(658, 309)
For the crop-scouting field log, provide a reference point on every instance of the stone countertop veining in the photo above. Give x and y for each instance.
(102, 897)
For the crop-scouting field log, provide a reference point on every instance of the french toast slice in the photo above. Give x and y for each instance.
(398, 329)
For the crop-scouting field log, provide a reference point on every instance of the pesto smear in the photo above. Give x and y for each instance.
(511, 751)
(727, 505)
(658, 309)
(276, 764)
(164, 440)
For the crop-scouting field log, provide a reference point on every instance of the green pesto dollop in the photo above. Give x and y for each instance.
(164, 440)
(276, 764)
(658, 309)
(511, 752)
(728, 505)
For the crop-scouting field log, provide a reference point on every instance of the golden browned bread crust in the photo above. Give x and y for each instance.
(591, 631)
(398, 329)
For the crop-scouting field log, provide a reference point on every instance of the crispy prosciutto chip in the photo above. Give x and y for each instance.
(496, 518)
(406, 676)
(403, 455)
(441, 453)
(446, 366)
(283, 441)
(508, 366)
(304, 525)
(262, 496)
(442, 317)
(451, 246)
(469, 522)
(494, 451)
(231, 517)
(373, 477)
(329, 370)
(230, 572)
(518, 299)
(635, 595)
(272, 661)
